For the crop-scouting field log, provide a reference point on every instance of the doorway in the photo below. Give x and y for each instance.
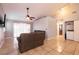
(60, 29)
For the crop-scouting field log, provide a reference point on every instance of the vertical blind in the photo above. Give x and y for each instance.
(21, 28)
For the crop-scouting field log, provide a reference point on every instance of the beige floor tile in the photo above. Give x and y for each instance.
(57, 46)
(46, 48)
(77, 50)
(38, 48)
(69, 49)
(54, 52)
(67, 53)
(41, 52)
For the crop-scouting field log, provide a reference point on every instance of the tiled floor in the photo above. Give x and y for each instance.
(57, 46)
(8, 47)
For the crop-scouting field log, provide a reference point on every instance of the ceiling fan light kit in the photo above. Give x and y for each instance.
(28, 17)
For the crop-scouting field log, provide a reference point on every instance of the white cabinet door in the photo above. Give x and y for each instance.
(70, 35)
(76, 30)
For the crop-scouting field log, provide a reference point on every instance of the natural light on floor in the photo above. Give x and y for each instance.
(20, 28)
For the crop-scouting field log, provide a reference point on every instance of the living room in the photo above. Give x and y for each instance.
(39, 29)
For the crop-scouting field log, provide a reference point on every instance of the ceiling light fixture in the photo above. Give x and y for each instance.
(28, 16)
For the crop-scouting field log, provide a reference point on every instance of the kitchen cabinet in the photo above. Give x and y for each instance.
(70, 35)
(69, 29)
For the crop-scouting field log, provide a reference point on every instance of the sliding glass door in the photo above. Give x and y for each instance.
(19, 28)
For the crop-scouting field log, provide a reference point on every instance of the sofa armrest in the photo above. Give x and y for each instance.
(18, 38)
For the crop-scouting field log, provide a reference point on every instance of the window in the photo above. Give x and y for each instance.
(20, 28)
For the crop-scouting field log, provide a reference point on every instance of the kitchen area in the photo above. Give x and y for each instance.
(69, 30)
(72, 30)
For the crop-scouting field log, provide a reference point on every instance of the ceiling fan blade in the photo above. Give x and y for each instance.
(28, 16)
(32, 18)
(40, 17)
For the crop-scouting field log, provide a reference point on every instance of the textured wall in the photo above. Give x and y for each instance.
(47, 24)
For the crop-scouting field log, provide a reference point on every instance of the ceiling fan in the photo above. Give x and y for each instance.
(28, 17)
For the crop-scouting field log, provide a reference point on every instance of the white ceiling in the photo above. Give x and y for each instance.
(17, 11)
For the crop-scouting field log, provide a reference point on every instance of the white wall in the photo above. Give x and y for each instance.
(1, 28)
(40, 24)
(76, 30)
(47, 24)
(9, 27)
(1, 36)
(1, 11)
(52, 27)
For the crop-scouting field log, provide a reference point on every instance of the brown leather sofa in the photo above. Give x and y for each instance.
(28, 41)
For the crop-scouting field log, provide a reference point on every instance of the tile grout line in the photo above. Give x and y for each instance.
(75, 49)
